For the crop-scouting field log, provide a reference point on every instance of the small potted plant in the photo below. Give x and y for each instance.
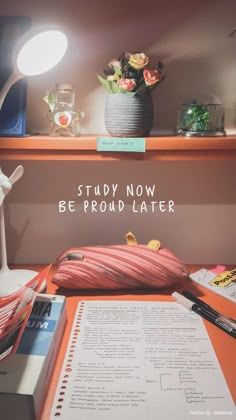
(129, 81)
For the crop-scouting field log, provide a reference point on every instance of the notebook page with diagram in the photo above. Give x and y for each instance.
(142, 360)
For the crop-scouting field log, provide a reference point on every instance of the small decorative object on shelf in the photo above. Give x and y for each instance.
(206, 120)
(63, 115)
(129, 107)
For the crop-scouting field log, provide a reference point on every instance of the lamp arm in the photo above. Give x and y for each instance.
(13, 78)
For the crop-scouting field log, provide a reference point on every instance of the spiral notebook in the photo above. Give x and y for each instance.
(142, 360)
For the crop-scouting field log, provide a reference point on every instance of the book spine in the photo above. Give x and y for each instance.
(43, 382)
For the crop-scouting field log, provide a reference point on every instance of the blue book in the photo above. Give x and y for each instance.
(12, 114)
(27, 373)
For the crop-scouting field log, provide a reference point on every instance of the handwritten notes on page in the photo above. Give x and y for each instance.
(140, 360)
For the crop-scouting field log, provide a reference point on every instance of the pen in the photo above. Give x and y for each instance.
(214, 319)
(200, 302)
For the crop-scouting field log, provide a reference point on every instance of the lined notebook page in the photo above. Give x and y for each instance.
(140, 360)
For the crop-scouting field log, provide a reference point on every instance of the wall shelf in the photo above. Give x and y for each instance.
(84, 148)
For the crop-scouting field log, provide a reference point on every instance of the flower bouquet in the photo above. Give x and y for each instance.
(132, 74)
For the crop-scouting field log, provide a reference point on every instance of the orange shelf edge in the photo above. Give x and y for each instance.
(84, 148)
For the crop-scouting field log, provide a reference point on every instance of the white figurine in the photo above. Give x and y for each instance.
(10, 280)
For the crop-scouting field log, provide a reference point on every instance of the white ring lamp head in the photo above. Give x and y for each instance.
(39, 50)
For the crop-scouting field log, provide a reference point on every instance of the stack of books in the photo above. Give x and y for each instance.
(24, 376)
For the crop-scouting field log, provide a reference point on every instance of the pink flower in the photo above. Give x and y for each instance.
(151, 77)
(115, 63)
(126, 84)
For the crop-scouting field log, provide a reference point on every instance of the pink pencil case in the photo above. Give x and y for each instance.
(128, 266)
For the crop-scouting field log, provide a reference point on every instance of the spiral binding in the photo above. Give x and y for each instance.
(67, 365)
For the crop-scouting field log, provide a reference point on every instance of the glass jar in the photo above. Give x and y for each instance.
(63, 115)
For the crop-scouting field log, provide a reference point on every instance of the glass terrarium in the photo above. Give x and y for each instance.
(201, 120)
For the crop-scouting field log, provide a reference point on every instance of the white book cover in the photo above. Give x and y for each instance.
(24, 377)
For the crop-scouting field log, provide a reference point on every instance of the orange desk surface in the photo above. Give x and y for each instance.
(224, 345)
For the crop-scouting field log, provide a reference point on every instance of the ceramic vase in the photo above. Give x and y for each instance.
(127, 115)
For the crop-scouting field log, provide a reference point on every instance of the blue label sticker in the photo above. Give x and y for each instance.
(121, 144)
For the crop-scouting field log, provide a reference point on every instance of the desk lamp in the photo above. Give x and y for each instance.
(38, 51)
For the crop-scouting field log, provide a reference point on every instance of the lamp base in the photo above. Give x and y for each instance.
(13, 280)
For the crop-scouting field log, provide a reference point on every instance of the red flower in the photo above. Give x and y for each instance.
(151, 77)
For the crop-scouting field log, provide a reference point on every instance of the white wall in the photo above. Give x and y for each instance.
(192, 38)
(200, 230)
